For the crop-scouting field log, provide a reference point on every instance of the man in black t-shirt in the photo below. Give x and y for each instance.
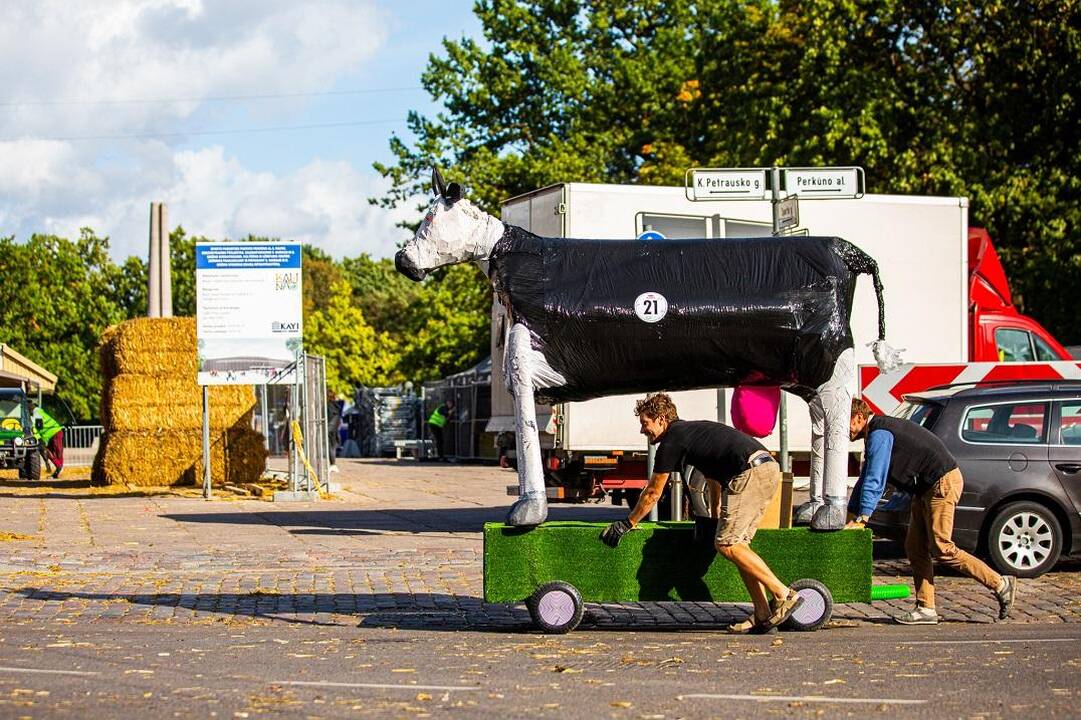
(750, 478)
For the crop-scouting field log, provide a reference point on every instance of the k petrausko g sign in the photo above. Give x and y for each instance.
(248, 310)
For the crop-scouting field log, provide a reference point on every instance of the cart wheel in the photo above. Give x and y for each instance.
(556, 607)
(817, 607)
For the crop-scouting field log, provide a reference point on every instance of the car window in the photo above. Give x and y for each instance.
(923, 414)
(1013, 424)
(1013, 345)
(1070, 422)
(1043, 350)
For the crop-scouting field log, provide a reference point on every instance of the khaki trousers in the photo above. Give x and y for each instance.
(930, 539)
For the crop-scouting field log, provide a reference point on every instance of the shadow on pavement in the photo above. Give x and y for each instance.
(426, 520)
(410, 611)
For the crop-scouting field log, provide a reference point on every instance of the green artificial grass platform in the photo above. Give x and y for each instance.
(662, 561)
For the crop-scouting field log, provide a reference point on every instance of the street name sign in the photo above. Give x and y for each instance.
(827, 182)
(728, 184)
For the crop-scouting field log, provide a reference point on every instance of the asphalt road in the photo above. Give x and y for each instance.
(159, 605)
(312, 671)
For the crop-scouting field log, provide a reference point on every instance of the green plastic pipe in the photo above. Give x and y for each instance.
(889, 592)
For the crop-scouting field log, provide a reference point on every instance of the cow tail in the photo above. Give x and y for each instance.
(861, 263)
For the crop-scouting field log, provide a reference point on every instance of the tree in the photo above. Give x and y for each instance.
(321, 276)
(57, 297)
(449, 324)
(381, 292)
(962, 97)
(355, 353)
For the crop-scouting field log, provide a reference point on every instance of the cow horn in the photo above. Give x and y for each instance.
(438, 186)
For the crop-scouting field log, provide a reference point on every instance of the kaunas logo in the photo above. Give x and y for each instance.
(286, 281)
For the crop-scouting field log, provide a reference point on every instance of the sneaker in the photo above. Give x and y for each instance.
(920, 616)
(1005, 596)
(752, 626)
(57, 473)
(782, 608)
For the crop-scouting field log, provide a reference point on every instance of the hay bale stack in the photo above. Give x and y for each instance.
(150, 346)
(152, 411)
(175, 457)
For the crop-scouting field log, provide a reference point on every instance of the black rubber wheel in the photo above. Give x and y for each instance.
(32, 466)
(1025, 539)
(556, 607)
(817, 607)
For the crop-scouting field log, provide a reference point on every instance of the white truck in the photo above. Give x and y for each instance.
(594, 448)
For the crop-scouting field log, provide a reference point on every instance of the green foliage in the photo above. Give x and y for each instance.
(961, 97)
(320, 278)
(356, 354)
(56, 297)
(449, 321)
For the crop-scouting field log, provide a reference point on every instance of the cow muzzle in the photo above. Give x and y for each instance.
(406, 267)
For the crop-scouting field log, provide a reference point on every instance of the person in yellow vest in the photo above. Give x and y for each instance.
(437, 421)
(51, 434)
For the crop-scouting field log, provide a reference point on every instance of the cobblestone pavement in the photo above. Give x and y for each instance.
(399, 547)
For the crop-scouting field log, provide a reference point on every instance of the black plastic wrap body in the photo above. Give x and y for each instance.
(757, 311)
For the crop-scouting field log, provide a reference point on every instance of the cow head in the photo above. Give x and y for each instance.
(454, 231)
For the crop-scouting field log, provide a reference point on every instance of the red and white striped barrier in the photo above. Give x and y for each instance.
(883, 391)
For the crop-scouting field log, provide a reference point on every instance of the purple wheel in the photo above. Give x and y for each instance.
(816, 609)
(556, 607)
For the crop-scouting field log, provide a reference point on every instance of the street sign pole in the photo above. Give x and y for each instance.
(782, 410)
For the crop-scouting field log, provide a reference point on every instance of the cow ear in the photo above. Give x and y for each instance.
(453, 193)
(438, 186)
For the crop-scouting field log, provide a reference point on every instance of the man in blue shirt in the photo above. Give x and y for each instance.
(914, 460)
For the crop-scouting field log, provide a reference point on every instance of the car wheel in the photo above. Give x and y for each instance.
(1025, 539)
(32, 466)
(556, 607)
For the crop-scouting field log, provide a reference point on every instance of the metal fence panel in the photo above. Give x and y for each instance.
(81, 444)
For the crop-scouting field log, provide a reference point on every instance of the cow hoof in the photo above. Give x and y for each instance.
(529, 510)
(828, 517)
(805, 513)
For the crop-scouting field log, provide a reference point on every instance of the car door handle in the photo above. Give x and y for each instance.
(1069, 468)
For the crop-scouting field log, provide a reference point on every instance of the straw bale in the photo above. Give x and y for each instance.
(149, 346)
(158, 402)
(246, 459)
(174, 457)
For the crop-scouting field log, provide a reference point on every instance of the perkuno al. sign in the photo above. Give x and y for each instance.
(248, 310)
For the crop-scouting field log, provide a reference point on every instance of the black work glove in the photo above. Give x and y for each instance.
(612, 534)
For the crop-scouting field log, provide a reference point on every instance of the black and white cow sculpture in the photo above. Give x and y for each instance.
(603, 317)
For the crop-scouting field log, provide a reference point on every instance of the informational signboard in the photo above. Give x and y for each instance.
(248, 311)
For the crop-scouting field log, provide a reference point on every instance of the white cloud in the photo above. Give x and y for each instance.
(324, 203)
(56, 53)
(59, 51)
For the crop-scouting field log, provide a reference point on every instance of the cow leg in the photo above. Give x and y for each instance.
(835, 402)
(805, 512)
(531, 508)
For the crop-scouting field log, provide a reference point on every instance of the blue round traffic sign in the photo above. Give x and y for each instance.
(651, 235)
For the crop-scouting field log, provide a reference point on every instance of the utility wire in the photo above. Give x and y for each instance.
(237, 131)
(212, 98)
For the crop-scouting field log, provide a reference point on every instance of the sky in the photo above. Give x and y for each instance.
(244, 116)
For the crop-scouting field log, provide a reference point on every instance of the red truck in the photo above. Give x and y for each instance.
(997, 331)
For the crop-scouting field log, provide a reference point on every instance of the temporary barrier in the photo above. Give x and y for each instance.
(884, 391)
(471, 391)
(81, 444)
